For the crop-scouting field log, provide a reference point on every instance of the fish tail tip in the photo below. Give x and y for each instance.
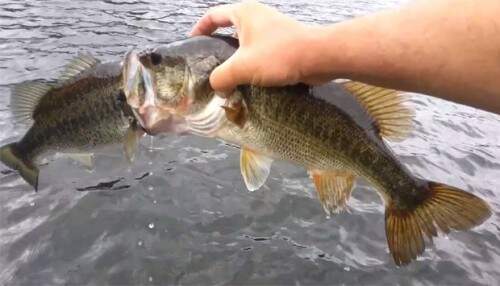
(445, 209)
(26, 168)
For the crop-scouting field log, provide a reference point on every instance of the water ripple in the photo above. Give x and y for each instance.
(206, 228)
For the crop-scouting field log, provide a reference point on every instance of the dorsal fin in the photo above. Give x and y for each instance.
(24, 98)
(77, 65)
(391, 117)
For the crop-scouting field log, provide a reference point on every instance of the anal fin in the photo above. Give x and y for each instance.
(86, 159)
(255, 168)
(334, 188)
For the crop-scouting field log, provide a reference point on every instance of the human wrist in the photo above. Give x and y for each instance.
(319, 54)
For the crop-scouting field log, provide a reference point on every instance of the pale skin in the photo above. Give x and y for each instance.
(445, 48)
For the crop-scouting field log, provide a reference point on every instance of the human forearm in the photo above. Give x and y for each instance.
(449, 49)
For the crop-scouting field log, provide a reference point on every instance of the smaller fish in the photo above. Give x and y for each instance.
(84, 109)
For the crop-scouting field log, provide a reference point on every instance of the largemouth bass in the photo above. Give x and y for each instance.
(168, 89)
(84, 109)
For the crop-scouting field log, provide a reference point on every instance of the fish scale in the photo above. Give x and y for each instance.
(70, 126)
(83, 111)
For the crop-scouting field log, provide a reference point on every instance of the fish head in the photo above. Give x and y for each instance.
(154, 88)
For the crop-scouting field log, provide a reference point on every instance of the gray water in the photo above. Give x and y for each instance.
(181, 214)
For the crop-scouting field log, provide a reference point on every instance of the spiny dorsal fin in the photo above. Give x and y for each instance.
(386, 107)
(77, 65)
(24, 99)
(255, 168)
(334, 188)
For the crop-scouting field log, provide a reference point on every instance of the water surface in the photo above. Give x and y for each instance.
(181, 213)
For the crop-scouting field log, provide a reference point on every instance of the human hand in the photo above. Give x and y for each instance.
(272, 46)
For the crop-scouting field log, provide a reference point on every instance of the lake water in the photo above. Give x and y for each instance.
(181, 214)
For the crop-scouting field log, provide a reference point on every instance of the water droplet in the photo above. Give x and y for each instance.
(151, 225)
(150, 163)
(32, 204)
(150, 279)
(327, 216)
(150, 188)
(347, 268)
(140, 243)
(154, 202)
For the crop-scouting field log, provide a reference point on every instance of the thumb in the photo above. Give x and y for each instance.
(229, 74)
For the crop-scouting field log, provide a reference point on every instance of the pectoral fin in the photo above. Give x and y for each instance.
(255, 168)
(236, 113)
(334, 188)
(86, 159)
(130, 143)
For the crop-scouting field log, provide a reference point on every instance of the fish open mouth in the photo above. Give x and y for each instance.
(140, 92)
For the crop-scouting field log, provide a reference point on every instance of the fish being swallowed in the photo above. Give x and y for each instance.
(84, 109)
(169, 90)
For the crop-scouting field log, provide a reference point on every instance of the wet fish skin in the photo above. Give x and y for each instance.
(321, 136)
(84, 110)
(290, 123)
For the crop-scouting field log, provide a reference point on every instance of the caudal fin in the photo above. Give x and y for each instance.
(446, 208)
(28, 171)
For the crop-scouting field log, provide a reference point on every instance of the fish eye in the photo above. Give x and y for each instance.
(155, 59)
(121, 97)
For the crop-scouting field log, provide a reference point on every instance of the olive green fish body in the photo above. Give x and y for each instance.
(84, 110)
(83, 115)
(295, 126)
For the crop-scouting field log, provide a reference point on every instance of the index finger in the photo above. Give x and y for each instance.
(220, 16)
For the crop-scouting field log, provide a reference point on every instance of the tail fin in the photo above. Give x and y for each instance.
(28, 171)
(447, 208)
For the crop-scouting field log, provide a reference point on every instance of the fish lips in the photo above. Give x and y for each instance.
(139, 90)
(132, 77)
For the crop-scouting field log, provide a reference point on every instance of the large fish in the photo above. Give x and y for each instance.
(84, 109)
(168, 89)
